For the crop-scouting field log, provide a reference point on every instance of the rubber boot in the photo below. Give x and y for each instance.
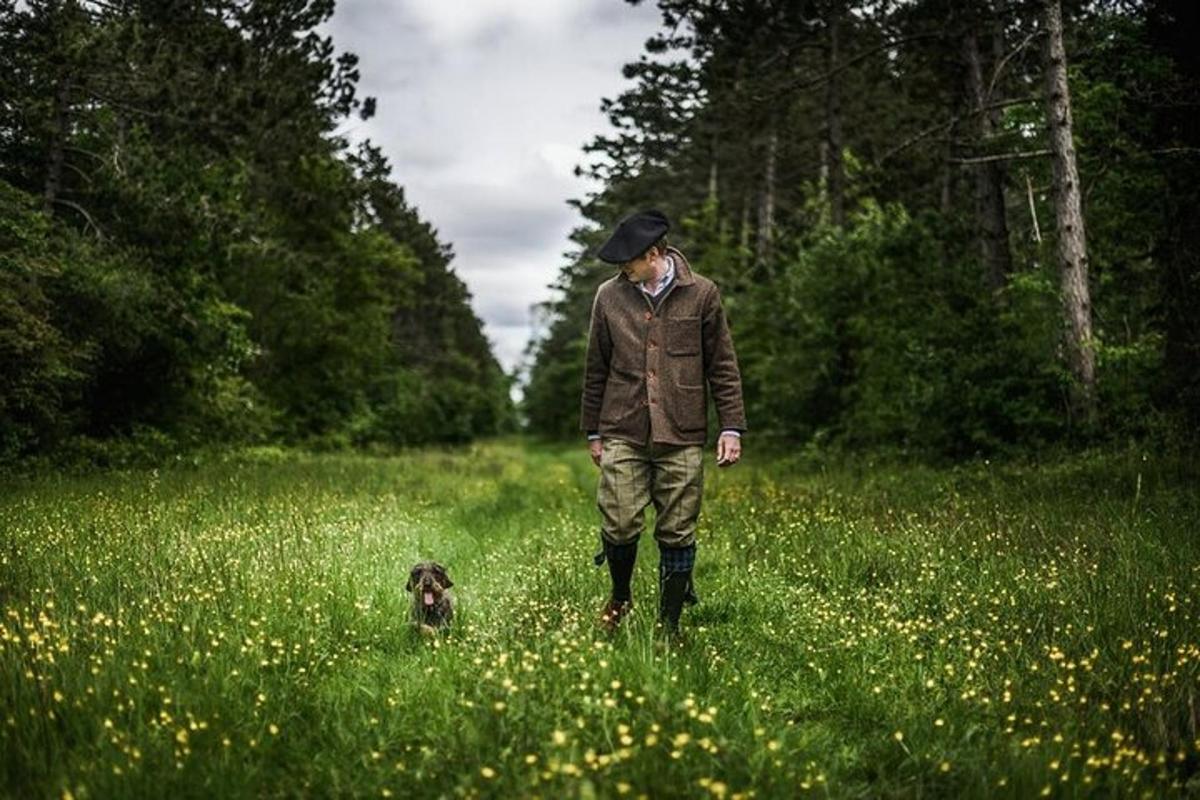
(673, 589)
(621, 558)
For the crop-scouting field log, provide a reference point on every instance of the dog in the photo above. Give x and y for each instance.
(433, 607)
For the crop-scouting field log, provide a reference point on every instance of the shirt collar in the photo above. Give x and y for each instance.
(667, 277)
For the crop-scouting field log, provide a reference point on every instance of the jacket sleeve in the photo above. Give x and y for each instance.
(720, 365)
(595, 371)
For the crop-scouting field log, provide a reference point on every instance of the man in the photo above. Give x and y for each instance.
(658, 338)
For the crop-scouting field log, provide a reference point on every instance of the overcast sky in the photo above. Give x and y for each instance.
(484, 106)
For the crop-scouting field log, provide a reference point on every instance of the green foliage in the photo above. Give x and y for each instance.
(99, 343)
(551, 399)
(713, 250)
(208, 262)
(35, 356)
(870, 336)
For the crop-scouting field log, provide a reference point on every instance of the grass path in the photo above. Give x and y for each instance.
(238, 629)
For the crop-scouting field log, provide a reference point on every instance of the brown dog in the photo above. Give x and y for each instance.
(433, 607)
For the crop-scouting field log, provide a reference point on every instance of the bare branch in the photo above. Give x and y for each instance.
(103, 5)
(1037, 229)
(79, 172)
(845, 65)
(83, 151)
(999, 69)
(91, 222)
(1000, 157)
(954, 120)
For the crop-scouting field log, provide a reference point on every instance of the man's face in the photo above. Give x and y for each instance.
(642, 267)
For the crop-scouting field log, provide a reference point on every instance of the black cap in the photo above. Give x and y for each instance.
(634, 236)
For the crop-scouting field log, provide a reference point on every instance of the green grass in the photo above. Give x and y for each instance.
(239, 629)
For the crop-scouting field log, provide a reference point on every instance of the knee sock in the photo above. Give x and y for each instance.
(675, 559)
(621, 558)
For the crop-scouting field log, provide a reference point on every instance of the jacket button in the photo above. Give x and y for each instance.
(650, 374)
(649, 316)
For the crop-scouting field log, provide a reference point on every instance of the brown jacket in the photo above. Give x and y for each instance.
(649, 360)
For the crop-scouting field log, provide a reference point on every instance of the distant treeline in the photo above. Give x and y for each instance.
(941, 226)
(190, 252)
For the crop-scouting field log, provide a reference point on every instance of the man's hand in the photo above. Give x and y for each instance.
(596, 447)
(729, 449)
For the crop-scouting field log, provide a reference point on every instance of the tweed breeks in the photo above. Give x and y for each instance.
(632, 477)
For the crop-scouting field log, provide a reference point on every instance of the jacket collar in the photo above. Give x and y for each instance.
(683, 270)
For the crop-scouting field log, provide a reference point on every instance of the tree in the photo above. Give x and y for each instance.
(1072, 241)
(250, 276)
(992, 221)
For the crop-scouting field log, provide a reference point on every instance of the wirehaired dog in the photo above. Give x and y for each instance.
(433, 607)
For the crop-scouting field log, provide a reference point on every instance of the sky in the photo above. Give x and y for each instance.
(483, 109)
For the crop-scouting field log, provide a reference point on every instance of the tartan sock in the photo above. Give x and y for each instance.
(675, 559)
(678, 560)
(621, 558)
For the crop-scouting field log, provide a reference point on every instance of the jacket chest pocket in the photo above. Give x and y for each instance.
(683, 336)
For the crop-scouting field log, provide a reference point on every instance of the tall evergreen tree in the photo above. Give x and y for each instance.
(250, 276)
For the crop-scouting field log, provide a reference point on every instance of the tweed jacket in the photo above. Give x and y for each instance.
(652, 362)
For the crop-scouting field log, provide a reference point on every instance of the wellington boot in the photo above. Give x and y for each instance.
(672, 591)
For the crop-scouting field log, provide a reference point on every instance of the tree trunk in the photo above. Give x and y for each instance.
(744, 230)
(833, 166)
(946, 184)
(1072, 242)
(990, 214)
(999, 10)
(57, 146)
(712, 172)
(766, 204)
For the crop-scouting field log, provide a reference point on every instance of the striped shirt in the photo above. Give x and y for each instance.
(663, 282)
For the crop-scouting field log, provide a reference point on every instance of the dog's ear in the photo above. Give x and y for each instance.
(412, 579)
(443, 578)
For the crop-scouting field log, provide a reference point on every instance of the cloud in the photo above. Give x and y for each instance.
(483, 108)
(487, 216)
(504, 311)
(453, 23)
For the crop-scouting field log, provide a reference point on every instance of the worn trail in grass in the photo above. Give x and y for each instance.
(238, 628)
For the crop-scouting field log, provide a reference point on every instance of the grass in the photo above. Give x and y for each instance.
(238, 629)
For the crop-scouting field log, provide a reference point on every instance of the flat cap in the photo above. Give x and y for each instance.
(633, 236)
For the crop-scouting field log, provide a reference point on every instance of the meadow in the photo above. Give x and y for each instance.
(238, 628)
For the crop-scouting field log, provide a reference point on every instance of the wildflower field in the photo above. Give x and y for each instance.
(238, 628)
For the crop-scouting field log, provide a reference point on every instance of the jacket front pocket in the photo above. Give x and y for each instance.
(683, 336)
